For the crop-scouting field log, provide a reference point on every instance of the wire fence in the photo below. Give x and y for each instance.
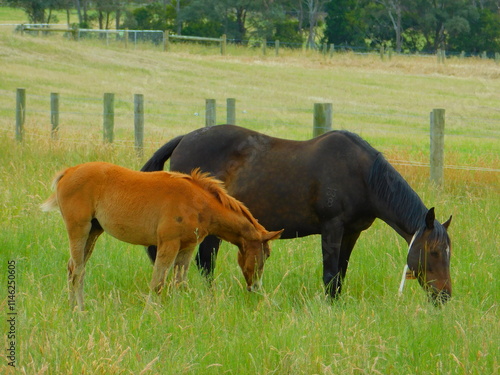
(84, 115)
(161, 39)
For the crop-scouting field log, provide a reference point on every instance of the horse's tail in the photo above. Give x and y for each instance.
(51, 203)
(157, 161)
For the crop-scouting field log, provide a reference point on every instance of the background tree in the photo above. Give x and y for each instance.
(154, 16)
(344, 24)
(315, 11)
(81, 8)
(34, 9)
(394, 10)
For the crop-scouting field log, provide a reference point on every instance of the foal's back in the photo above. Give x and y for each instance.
(127, 204)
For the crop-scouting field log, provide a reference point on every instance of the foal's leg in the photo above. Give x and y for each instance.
(181, 265)
(165, 256)
(78, 242)
(95, 231)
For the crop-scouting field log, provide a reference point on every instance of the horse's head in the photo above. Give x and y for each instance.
(252, 255)
(429, 258)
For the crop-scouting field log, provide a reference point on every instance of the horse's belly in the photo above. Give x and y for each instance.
(130, 234)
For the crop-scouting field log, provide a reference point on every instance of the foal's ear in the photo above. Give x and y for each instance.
(269, 236)
(447, 223)
(429, 219)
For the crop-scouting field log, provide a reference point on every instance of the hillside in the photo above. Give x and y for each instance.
(382, 100)
(288, 327)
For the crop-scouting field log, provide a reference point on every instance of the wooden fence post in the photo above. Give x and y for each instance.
(277, 47)
(166, 41)
(20, 113)
(231, 111)
(332, 49)
(210, 112)
(322, 123)
(437, 146)
(264, 46)
(441, 56)
(54, 115)
(139, 123)
(108, 117)
(223, 43)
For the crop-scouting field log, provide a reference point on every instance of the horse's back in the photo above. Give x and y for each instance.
(129, 205)
(208, 148)
(285, 183)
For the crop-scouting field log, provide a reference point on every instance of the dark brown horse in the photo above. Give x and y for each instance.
(334, 185)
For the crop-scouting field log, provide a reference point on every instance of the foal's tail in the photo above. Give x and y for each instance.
(51, 203)
(157, 161)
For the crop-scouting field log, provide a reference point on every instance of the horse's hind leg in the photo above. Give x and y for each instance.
(207, 254)
(95, 231)
(78, 240)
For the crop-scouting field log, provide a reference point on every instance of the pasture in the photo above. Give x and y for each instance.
(289, 327)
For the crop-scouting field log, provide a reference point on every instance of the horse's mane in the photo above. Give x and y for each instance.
(391, 188)
(216, 187)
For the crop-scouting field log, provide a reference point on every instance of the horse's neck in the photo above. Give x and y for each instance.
(232, 226)
(394, 201)
(405, 225)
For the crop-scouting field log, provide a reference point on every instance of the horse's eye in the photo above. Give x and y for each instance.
(435, 254)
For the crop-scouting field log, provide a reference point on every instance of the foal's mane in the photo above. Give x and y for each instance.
(216, 187)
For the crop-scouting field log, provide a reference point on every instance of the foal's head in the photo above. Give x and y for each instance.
(252, 255)
(429, 258)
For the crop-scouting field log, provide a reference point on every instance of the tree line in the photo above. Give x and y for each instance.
(403, 25)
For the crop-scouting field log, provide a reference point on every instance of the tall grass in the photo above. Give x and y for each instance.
(289, 327)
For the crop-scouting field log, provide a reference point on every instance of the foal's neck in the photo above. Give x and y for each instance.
(232, 226)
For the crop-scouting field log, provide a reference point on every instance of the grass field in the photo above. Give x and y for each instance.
(289, 328)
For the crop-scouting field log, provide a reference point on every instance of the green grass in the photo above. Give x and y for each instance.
(289, 328)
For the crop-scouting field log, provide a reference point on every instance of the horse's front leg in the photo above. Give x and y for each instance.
(165, 256)
(181, 265)
(207, 254)
(331, 242)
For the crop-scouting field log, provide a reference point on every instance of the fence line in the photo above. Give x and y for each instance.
(322, 122)
(197, 110)
(163, 38)
(427, 165)
(247, 111)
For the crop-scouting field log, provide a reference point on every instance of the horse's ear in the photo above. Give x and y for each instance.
(429, 219)
(447, 223)
(269, 236)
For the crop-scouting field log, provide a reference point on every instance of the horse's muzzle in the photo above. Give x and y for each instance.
(255, 286)
(439, 297)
